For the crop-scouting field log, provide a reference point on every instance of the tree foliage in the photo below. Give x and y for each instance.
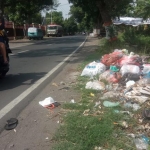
(142, 8)
(107, 9)
(85, 20)
(20, 11)
(55, 17)
(70, 26)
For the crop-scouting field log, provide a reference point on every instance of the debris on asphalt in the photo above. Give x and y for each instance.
(11, 124)
(49, 103)
(54, 84)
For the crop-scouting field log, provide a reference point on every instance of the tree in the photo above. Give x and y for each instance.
(70, 26)
(57, 18)
(107, 10)
(142, 8)
(19, 10)
(85, 22)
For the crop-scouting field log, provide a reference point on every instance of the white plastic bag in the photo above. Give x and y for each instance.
(130, 83)
(146, 68)
(95, 85)
(130, 69)
(47, 101)
(93, 69)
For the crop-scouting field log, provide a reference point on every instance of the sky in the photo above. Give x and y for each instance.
(64, 7)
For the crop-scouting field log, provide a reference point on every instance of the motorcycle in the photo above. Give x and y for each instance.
(4, 68)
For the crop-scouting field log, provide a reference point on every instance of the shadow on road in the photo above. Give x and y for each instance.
(16, 80)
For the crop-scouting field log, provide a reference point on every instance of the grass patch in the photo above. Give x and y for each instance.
(86, 132)
(85, 127)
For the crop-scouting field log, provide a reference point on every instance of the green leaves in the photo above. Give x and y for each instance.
(56, 17)
(20, 11)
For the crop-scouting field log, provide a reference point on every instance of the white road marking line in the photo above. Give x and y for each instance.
(11, 54)
(23, 51)
(49, 44)
(18, 99)
(19, 52)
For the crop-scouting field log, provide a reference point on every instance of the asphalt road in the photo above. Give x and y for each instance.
(29, 63)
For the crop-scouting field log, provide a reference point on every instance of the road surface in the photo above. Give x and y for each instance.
(31, 68)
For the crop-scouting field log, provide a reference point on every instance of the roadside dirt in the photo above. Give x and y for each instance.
(37, 125)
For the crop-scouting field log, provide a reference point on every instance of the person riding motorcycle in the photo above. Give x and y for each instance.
(2, 40)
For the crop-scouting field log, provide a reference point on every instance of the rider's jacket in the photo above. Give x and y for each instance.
(2, 27)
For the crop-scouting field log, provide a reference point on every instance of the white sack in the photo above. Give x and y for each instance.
(93, 69)
(130, 69)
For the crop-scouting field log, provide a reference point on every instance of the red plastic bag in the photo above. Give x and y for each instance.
(112, 58)
(129, 60)
(113, 77)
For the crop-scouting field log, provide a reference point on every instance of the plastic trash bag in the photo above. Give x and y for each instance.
(129, 76)
(140, 144)
(95, 85)
(130, 60)
(112, 58)
(47, 101)
(93, 69)
(130, 84)
(146, 78)
(146, 68)
(113, 77)
(130, 69)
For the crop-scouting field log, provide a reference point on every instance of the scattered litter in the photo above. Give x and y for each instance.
(92, 94)
(130, 84)
(72, 101)
(124, 112)
(65, 88)
(54, 84)
(97, 103)
(62, 83)
(46, 138)
(140, 144)
(146, 113)
(85, 113)
(122, 124)
(49, 103)
(95, 85)
(15, 130)
(11, 124)
(110, 104)
(110, 94)
(132, 105)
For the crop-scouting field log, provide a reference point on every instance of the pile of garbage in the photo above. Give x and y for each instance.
(128, 72)
(126, 77)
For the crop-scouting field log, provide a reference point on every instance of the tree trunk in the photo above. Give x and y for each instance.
(110, 32)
